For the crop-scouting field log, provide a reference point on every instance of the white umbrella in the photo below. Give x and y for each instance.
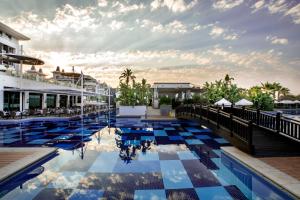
(223, 102)
(244, 102)
(287, 102)
(3, 68)
(296, 101)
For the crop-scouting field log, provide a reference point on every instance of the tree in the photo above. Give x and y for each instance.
(127, 74)
(135, 94)
(222, 88)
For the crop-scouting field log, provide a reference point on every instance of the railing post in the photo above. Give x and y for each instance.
(200, 111)
(218, 116)
(243, 112)
(257, 117)
(231, 125)
(278, 117)
(250, 138)
(207, 112)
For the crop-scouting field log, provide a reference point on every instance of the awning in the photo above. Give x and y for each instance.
(26, 60)
(56, 91)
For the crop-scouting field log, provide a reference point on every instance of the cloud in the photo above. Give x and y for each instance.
(258, 5)
(218, 31)
(173, 5)
(102, 3)
(116, 25)
(224, 5)
(173, 27)
(279, 7)
(294, 12)
(276, 40)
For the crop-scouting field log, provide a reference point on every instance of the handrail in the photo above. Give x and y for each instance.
(238, 127)
(272, 122)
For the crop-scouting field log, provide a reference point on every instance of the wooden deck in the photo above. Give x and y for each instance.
(7, 158)
(15, 160)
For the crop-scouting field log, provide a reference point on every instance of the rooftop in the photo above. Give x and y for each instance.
(12, 32)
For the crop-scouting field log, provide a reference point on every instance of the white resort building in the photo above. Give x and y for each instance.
(21, 91)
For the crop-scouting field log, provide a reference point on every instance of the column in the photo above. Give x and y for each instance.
(76, 100)
(21, 101)
(44, 101)
(26, 101)
(1, 98)
(57, 101)
(68, 101)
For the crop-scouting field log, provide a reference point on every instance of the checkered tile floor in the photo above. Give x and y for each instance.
(141, 161)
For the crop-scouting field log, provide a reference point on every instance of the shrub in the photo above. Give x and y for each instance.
(164, 100)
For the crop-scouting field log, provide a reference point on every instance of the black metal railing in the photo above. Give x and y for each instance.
(273, 122)
(238, 127)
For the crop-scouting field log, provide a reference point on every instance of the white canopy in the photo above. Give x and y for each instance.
(296, 101)
(244, 102)
(223, 102)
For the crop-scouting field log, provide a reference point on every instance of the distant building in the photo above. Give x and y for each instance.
(178, 91)
(33, 90)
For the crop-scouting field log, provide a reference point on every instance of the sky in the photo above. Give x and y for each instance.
(164, 40)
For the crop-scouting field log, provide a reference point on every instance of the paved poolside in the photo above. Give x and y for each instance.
(270, 168)
(288, 165)
(13, 160)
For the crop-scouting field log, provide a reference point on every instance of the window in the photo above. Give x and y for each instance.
(51, 101)
(35, 101)
(11, 101)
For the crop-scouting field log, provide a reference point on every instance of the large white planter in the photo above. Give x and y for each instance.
(132, 110)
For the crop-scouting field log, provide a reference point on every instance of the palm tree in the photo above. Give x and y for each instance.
(268, 88)
(283, 91)
(228, 79)
(127, 74)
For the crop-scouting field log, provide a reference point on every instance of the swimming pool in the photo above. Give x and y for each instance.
(133, 159)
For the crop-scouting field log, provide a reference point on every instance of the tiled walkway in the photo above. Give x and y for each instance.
(289, 165)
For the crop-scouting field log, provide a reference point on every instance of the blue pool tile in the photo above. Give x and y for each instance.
(8, 141)
(221, 140)
(212, 193)
(192, 129)
(147, 138)
(66, 180)
(39, 141)
(148, 156)
(132, 142)
(177, 137)
(105, 162)
(78, 194)
(187, 155)
(22, 194)
(150, 195)
(182, 194)
(160, 133)
(193, 141)
(185, 134)
(170, 129)
(203, 137)
(174, 175)
(136, 166)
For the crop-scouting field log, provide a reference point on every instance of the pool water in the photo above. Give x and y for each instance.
(132, 159)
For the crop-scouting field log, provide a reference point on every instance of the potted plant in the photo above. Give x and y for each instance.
(165, 105)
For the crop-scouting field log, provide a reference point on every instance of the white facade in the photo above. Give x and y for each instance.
(7, 81)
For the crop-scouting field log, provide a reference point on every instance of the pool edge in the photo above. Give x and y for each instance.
(275, 176)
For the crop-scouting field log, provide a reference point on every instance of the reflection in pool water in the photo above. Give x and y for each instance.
(132, 159)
